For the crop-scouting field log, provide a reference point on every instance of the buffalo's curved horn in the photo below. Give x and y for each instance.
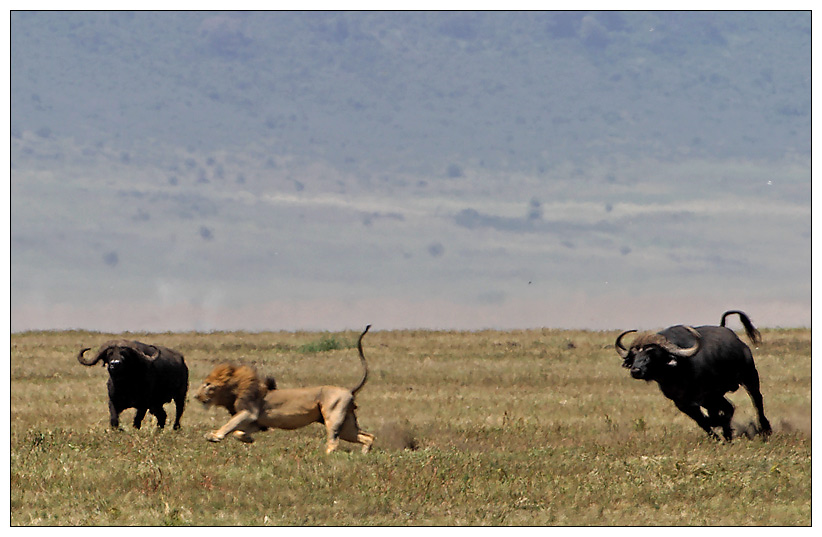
(141, 349)
(684, 352)
(100, 354)
(621, 350)
(152, 356)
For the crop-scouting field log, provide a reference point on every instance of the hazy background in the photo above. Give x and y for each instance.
(287, 170)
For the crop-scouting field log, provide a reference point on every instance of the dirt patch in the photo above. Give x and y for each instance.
(394, 435)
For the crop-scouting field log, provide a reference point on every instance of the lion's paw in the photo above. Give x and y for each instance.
(243, 437)
(213, 437)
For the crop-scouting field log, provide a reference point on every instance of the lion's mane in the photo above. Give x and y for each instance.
(238, 387)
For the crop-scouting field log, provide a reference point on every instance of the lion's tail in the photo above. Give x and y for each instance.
(362, 361)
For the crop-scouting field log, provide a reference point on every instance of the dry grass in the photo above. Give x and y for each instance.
(473, 428)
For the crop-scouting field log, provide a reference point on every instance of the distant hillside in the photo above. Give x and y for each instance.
(418, 92)
(450, 169)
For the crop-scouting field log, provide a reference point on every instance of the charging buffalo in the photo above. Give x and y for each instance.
(696, 367)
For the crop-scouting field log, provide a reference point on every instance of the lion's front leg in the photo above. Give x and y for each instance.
(243, 432)
(239, 420)
(243, 436)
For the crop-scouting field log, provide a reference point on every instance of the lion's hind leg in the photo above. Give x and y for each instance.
(340, 422)
(351, 432)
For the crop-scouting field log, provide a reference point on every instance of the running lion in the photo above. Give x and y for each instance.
(255, 406)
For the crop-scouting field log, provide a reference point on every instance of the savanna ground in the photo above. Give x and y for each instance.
(538, 427)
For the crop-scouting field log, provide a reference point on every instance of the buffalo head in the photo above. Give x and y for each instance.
(651, 355)
(119, 356)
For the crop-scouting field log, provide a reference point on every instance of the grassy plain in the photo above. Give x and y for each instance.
(538, 427)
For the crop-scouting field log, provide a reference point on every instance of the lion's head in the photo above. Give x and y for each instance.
(233, 387)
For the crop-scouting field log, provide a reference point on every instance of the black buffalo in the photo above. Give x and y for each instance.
(696, 367)
(144, 377)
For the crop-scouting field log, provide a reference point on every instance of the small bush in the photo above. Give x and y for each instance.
(324, 344)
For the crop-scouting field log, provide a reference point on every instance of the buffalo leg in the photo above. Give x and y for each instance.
(721, 411)
(179, 406)
(752, 386)
(695, 412)
(114, 415)
(138, 417)
(159, 413)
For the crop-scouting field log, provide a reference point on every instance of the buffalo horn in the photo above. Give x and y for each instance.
(93, 360)
(685, 352)
(621, 350)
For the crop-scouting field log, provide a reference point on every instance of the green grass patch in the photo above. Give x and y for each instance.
(328, 342)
